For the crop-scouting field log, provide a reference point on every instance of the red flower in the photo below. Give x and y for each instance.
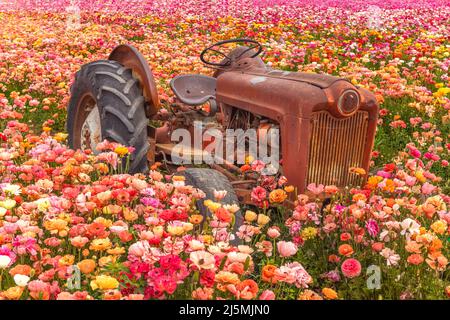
(207, 278)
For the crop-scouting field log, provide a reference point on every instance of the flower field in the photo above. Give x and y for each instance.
(141, 236)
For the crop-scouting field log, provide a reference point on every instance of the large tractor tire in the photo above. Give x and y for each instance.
(107, 103)
(207, 180)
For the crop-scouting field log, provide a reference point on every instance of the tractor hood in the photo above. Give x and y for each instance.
(275, 93)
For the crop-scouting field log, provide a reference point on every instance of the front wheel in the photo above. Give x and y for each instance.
(107, 103)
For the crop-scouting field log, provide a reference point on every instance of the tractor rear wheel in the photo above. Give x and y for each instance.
(209, 180)
(107, 103)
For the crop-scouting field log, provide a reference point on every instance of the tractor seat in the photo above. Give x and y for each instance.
(194, 89)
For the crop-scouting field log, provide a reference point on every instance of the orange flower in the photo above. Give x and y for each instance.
(227, 277)
(223, 215)
(196, 218)
(413, 247)
(268, 272)
(390, 186)
(358, 171)
(248, 289)
(309, 295)
(333, 258)
(289, 188)
(436, 245)
(345, 250)
(86, 266)
(277, 196)
(329, 294)
(415, 259)
(21, 269)
(112, 295)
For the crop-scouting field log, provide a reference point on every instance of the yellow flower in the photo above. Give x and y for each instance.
(66, 260)
(55, 225)
(121, 151)
(103, 261)
(100, 244)
(263, 219)
(211, 205)
(440, 226)
(106, 222)
(329, 294)
(419, 175)
(43, 204)
(116, 251)
(13, 293)
(8, 204)
(175, 230)
(309, 233)
(442, 92)
(104, 282)
(60, 136)
(250, 216)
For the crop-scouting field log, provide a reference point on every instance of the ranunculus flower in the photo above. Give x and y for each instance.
(286, 248)
(267, 295)
(202, 260)
(21, 280)
(351, 268)
(4, 262)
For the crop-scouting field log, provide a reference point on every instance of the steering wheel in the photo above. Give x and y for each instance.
(228, 60)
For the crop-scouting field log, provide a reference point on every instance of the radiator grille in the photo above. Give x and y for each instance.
(335, 146)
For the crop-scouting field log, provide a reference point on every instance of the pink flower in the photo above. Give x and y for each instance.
(202, 260)
(428, 188)
(286, 248)
(139, 248)
(316, 189)
(267, 295)
(273, 232)
(258, 165)
(351, 268)
(258, 194)
(372, 227)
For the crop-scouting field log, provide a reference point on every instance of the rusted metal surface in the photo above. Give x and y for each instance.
(131, 58)
(294, 100)
(91, 131)
(330, 152)
(82, 134)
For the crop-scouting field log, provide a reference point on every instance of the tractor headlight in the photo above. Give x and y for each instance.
(348, 102)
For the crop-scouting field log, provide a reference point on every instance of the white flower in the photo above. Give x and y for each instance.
(4, 261)
(21, 280)
(410, 226)
(219, 194)
(11, 189)
(233, 208)
(384, 236)
(392, 258)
